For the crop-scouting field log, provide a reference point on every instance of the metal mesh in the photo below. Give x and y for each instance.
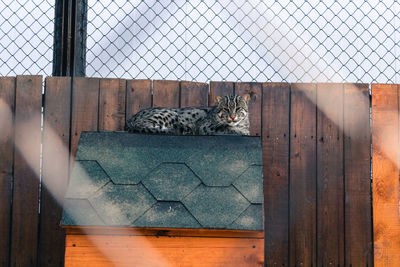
(292, 41)
(26, 37)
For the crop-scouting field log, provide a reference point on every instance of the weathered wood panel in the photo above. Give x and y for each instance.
(194, 94)
(303, 247)
(330, 188)
(220, 89)
(329, 173)
(56, 133)
(7, 99)
(112, 105)
(275, 141)
(85, 109)
(156, 231)
(138, 96)
(357, 166)
(255, 104)
(166, 94)
(125, 250)
(385, 160)
(25, 217)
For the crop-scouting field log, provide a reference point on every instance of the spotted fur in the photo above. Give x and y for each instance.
(228, 116)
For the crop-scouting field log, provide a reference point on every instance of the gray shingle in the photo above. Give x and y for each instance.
(221, 160)
(166, 181)
(215, 207)
(121, 204)
(126, 160)
(171, 181)
(88, 178)
(167, 214)
(79, 212)
(251, 218)
(249, 182)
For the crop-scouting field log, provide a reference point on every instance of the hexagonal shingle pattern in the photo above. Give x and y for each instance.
(167, 181)
(126, 160)
(86, 178)
(80, 212)
(220, 161)
(215, 207)
(171, 181)
(121, 204)
(249, 182)
(251, 218)
(167, 214)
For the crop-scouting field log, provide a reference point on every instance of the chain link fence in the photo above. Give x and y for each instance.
(26, 37)
(293, 41)
(278, 41)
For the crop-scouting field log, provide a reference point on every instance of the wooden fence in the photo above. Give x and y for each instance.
(316, 154)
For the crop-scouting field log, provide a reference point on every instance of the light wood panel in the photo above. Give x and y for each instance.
(385, 166)
(99, 250)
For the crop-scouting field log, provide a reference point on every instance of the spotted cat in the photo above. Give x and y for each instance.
(228, 116)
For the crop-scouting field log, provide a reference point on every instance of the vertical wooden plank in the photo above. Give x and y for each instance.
(330, 191)
(357, 167)
(254, 89)
(385, 156)
(56, 133)
(138, 96)
(7, 98)
(25, 217)
(166, 94)
(220, 89)
(85, 107)
(194, 94)
(112, 104)
(303, 175)
(275, 141)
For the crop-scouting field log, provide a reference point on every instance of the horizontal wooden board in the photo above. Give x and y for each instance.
(96, 230)
(100, 250)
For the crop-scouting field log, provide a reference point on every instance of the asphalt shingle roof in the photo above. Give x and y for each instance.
(122, 179)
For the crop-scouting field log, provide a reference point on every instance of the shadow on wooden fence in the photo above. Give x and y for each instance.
(316, 154)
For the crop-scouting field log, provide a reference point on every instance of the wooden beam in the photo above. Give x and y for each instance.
(385, 166)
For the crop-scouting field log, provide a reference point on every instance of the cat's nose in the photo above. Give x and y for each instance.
(233, 117)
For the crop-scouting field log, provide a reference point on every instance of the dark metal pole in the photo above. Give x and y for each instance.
(69, 57)
(80, 38)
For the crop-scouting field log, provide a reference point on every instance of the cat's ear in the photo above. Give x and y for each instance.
(246, 98)
(217, 99)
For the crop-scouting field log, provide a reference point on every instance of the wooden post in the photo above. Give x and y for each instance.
(275, 142)
(385, 166)
(70, 32)
(25, 216)
(7, 100)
